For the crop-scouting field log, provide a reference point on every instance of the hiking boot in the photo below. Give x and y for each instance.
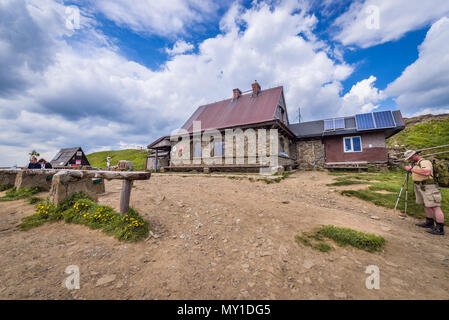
(437, 230)
(428, 224)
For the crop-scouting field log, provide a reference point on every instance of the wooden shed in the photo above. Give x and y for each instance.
(70, 157)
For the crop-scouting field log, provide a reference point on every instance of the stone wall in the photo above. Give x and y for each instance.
(308, 152)
(246, 159)
(8, 178)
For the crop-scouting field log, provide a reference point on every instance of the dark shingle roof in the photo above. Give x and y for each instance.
(64, 155)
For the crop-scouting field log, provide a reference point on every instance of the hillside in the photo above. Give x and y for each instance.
(422, 132)
(137, 157)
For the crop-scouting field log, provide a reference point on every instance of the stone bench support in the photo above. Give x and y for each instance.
(8, 177)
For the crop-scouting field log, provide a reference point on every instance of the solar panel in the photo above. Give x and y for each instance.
(384, 119)
(329, 125)
(339, 123)
(365, 121)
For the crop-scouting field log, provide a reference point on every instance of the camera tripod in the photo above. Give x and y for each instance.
(405, 183)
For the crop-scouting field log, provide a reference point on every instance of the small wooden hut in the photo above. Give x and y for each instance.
(70, 157)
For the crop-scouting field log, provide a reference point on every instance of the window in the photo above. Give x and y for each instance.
(352, 144)
(281, 144)
(218, 149)
(197, 150)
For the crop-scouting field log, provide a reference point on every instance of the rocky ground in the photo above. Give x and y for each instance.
(221, 238)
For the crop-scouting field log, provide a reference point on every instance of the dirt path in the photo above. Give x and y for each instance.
(220, 238)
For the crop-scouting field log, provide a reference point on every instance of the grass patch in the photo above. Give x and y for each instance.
(341, 236)
(344, 181)
(392, 182)
(314, 241)
(323, 247)
(345, 236)
(14, 194)
(284, 175)
(34, 200)
(81, 209)
(6, 187)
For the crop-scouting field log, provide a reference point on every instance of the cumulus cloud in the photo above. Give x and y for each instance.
(180, 47)
(357, 27)
(157, 17)
(83, 92)
(362, 96)
(425, 83)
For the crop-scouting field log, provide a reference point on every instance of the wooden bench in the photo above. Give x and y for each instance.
(65, 177)
(61, 183)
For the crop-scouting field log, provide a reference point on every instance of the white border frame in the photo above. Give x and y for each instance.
(352, 144)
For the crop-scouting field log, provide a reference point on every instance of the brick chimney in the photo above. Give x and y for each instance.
(256, 88)
(237, 93)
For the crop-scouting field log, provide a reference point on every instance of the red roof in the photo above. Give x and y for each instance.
(230, 113)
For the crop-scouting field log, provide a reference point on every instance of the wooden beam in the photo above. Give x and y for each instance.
(125, 196)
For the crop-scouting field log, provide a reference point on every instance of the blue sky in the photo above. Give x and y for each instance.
(135, 70)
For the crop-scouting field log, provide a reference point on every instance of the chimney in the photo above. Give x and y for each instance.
(256, 88)
(237, 93)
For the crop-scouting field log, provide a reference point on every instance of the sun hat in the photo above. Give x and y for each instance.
(408, 154)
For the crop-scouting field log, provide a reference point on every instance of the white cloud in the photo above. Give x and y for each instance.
(157, 17)
(362, 96)
(425, 83)
(396, 18)
(180, 47)
(87, 94)
(429, 111)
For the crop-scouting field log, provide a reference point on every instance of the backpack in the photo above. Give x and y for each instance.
(441, 172)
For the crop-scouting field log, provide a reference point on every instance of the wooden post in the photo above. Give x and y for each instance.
(157, 160)
(125, 196)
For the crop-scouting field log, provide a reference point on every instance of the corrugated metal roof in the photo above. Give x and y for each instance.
(230, 113)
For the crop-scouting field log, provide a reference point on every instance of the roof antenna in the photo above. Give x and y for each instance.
(299, 114)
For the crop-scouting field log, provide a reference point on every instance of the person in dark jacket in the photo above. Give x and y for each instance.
(44, 164)
(34, 164)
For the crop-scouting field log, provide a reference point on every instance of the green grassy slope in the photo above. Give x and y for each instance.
(383, 190)
(418, 135)
(137, 157)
